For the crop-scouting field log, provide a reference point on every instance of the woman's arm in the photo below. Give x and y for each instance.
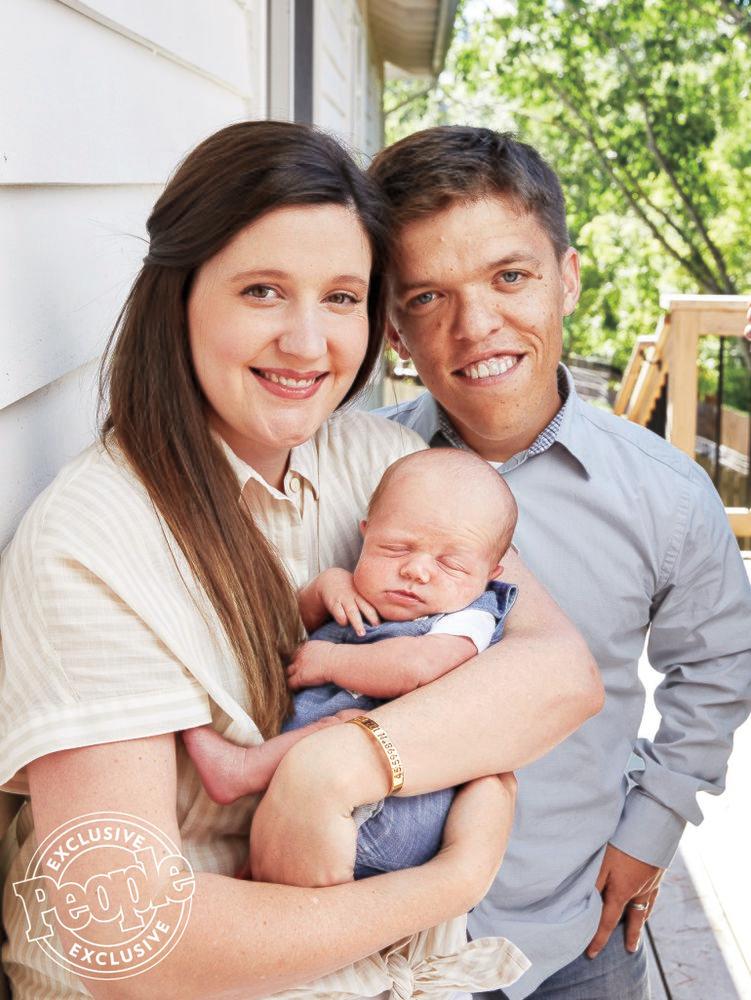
(237, 940)
(499, 711)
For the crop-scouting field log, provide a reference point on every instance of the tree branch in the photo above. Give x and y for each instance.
(741, 15)
(702, 274)
(687, 201)
(408, 100)
(727, 284)
(699, 270)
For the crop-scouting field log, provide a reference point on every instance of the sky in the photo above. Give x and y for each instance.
(476, 9)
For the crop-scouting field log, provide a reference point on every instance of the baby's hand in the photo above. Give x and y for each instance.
(345, 605)
(311, 663)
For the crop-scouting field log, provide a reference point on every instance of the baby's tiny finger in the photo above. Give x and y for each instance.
(369, 611)
(355, 619)
(340, 614)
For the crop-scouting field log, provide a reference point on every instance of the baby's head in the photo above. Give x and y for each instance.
(438, 525)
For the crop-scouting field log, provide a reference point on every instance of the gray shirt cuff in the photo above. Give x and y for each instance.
(648, 830)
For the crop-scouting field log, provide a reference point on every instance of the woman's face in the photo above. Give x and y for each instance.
(278, 328)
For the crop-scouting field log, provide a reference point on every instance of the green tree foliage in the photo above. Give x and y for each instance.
(644, 109)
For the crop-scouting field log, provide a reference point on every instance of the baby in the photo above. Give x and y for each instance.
(438, 524)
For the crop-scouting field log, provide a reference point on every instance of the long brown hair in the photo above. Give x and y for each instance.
(156, 405)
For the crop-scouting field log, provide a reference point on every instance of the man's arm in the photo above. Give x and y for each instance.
(384, 669)
(700, 641)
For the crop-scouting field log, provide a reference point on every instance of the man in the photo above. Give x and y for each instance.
(625, 531)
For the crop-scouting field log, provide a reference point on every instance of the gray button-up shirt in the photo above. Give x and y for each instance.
(631, 539)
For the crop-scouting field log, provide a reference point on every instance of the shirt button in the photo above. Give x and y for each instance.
(294, 484)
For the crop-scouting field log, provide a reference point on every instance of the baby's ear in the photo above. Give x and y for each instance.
(496, 571)
(363, 528)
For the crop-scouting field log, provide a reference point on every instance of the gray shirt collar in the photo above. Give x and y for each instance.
(434, 425)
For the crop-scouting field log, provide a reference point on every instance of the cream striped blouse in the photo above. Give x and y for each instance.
(102, 640)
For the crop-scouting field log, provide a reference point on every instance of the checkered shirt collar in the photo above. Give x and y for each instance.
(544, 440)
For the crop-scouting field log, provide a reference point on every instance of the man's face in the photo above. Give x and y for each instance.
(478, 302)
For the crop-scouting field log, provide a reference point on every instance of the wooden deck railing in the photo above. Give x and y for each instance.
(673, 351)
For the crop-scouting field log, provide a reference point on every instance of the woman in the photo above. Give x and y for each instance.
(140, 598)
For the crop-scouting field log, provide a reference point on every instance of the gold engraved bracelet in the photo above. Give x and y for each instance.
(383, 739)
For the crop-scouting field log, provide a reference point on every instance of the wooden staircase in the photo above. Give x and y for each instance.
(671, 354)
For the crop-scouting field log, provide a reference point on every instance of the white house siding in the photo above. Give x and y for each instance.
(373, 128)
(346, 75)
(107, 96)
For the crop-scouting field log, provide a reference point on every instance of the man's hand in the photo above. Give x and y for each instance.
(311, 664)
(747, 328)
(624, 880)
(345, 605)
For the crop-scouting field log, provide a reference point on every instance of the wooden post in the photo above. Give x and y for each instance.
(682, 390)
(740, 521)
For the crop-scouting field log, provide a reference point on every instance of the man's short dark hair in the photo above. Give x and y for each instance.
(430, 170)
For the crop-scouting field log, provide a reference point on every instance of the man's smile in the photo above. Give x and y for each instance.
(489, 367)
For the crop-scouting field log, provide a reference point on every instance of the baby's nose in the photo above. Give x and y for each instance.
(416, 569)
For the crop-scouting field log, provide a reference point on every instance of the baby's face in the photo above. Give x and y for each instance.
(419, 560)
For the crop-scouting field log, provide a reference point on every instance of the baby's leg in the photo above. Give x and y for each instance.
(229, 771)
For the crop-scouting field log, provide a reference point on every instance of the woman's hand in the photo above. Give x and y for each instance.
(303, 833)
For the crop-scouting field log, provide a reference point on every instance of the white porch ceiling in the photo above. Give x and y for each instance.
(413, 34)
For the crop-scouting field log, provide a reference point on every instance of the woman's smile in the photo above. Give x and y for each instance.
(287, 384)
